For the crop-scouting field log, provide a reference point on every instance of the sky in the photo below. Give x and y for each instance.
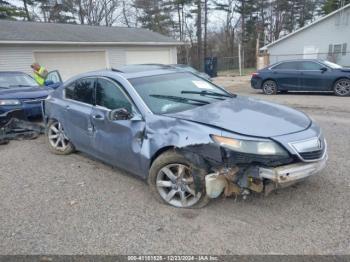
(215, 18)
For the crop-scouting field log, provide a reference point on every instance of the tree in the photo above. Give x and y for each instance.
(26, 3)
(62, 12)
(9, 11)
(332, 5)
(154, 15)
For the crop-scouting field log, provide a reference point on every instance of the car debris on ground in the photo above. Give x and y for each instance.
(15, 126)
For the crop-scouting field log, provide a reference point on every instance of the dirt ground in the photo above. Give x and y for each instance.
(75, 205)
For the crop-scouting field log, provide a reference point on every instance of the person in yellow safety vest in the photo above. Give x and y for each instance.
(40, 73)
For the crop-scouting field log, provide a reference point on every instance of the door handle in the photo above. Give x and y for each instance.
(98, 117)
(67, 107)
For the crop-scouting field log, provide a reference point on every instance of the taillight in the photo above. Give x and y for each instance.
(255, 74)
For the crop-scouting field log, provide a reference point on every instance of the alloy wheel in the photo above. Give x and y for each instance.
(270, 87)
(175, 185)
(57, 138)
(342, 87)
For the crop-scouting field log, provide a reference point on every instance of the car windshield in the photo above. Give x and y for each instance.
(12, 80)
(176, 92)
(332, 65)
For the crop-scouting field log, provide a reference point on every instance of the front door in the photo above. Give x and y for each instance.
(116, 141)
(315, 77)
(77, 112)
(287, 75)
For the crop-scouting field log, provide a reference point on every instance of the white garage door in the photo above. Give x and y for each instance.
(148, 56)
(71, 63)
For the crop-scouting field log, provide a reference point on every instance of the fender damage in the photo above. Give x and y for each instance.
(228, 172)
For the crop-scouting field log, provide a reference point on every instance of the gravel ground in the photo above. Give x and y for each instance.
(74, 205)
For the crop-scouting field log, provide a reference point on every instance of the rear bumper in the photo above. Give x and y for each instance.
(289, 174)
(255, 82)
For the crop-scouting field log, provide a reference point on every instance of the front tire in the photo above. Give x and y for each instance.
(269, 87)
(57, 141)
(342, 87)
(170, 181)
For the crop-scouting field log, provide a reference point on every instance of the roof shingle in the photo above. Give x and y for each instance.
(52, 32)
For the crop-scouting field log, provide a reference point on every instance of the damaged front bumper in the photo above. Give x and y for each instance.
(259, 179)
(285, 175)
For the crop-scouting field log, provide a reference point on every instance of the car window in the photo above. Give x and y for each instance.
(54, 76)
(81, 90)
(308, 65)
(110, 95)
(287, 66)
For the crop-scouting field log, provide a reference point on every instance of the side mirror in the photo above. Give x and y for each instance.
(119, 114)
(324, 69)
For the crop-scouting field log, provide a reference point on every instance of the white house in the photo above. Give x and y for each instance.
(326, 38)
(74, 49)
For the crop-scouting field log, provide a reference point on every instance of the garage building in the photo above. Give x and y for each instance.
(74, 49)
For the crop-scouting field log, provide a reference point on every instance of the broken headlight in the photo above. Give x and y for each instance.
(250, 146)
(9, 102)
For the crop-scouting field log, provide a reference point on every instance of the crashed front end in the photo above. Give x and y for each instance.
(248, 164)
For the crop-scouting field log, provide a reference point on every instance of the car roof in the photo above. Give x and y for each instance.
(142, 70)
(132, 71)
(149, 73)
(180, 65)
(300, 60)
(128, 75)
(141, 67)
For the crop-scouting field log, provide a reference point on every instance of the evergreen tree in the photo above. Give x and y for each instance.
(9, 11)
(332, 5)
(154, 15)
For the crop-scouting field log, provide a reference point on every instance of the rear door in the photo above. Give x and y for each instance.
(117, 142)
(315, 76)
(287, 75)
(77, 112)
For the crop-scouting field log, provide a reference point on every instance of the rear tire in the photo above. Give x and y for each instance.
(56, 139)
(269, 87)
(342, 87)
(170, 180)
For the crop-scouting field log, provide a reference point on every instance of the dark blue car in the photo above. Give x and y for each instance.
(303, 75)
(20, 91)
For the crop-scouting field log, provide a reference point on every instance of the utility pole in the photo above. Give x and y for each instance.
(239, 59)
(199, 35)
(205, 28)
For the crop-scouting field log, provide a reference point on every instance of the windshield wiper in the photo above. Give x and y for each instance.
(207, 93)
(181, 99)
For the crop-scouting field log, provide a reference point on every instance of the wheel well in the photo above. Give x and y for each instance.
(48, 119)
(159, 152)
(342, 77)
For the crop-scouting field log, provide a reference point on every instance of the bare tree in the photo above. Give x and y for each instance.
(101, 12)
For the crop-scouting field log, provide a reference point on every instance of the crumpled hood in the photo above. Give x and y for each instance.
(249, 117)
(24, 92)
